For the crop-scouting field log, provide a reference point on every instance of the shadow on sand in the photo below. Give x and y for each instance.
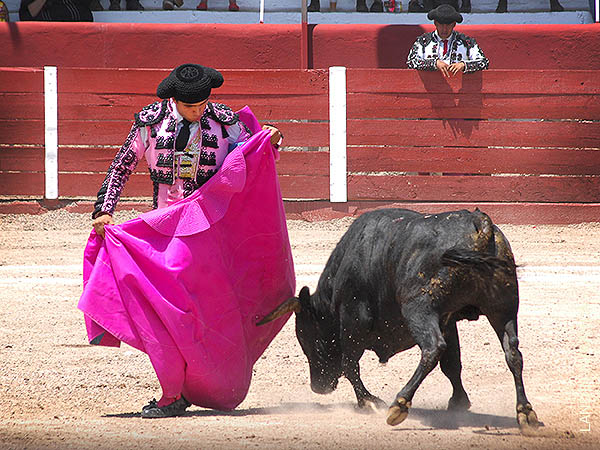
(453, 420)
(430, 418)
(284, 408)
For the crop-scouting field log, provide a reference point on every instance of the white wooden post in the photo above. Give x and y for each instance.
(51, 132)
(338, 189)
(261, 14)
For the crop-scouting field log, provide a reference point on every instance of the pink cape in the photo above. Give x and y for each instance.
(186, 284)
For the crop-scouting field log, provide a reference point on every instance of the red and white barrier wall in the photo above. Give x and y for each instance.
(270, 46)
(523, 140)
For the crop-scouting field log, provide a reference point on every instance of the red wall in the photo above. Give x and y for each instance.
(278, 46)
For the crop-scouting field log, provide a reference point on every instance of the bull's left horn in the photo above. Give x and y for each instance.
(290, 305)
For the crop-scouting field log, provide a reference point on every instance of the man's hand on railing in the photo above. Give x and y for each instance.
(449, 70)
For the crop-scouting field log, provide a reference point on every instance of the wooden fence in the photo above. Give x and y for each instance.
(505, 140)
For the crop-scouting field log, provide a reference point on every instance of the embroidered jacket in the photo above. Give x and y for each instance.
(153, 135)
(428, 48)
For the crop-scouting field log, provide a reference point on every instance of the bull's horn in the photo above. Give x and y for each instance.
(290, 305)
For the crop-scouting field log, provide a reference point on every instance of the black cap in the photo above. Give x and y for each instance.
(445, 14)
(189, 83)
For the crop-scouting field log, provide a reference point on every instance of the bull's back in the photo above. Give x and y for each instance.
(397, 251)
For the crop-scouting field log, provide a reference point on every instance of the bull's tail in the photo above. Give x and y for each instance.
(483, 263)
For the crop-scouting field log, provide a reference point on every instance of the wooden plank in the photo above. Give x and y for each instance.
(15, 132)
(21, 79)
(473, 106)
(474, 188)
(565, 161)
(97, 160)
(21, 106)
(22, 159)
(74, 106)
(93, 132)
(237, 82)
(109, 80)
(23, 183)
(303, 163)
(473, 133)
(317, 210)
(90, 159)
(100, 106)
(501, 213)
(523, 81)
(304, 186)
(112, 132)
(87, 184)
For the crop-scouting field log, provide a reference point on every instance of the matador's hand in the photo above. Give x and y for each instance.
(100, 221)
(276, 135)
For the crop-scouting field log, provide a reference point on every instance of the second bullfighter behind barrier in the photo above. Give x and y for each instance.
(399, 278)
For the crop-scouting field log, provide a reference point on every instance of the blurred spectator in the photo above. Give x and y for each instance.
(428, 5)
(4, 12)
(465, 5)
(502, 6)
(202, 6)
(361, 6)
(115, 5)
(56, 10)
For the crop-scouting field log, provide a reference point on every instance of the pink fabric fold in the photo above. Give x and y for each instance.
(186, 284)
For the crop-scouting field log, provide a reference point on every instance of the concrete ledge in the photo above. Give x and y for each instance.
(292, 17)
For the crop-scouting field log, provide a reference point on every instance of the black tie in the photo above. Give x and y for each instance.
(183, 136)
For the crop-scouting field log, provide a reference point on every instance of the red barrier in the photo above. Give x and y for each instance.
(525, 138)
(269, 46)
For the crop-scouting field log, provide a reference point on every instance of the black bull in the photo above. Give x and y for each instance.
(399, 278)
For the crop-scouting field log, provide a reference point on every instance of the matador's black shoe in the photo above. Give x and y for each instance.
(153, 411)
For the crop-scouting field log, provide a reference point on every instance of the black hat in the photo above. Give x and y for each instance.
(445, 14)
(189, 83)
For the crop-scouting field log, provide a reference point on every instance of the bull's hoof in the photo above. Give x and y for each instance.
(371, 404)
(459, 403)
(397, 413)
(527, 418)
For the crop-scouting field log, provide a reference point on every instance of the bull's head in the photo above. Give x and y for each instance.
(318, 336)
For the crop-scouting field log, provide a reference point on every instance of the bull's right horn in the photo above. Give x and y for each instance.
(290, 305)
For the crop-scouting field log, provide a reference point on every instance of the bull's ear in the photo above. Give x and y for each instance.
(290, 305)
(304, 296)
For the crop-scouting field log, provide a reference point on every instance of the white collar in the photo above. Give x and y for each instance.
(439, 39)
(178, 116)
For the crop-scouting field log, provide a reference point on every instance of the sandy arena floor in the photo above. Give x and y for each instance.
(58, 392)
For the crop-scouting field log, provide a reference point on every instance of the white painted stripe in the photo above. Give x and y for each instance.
(597, 11)
(338, 191)
(51, 127)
